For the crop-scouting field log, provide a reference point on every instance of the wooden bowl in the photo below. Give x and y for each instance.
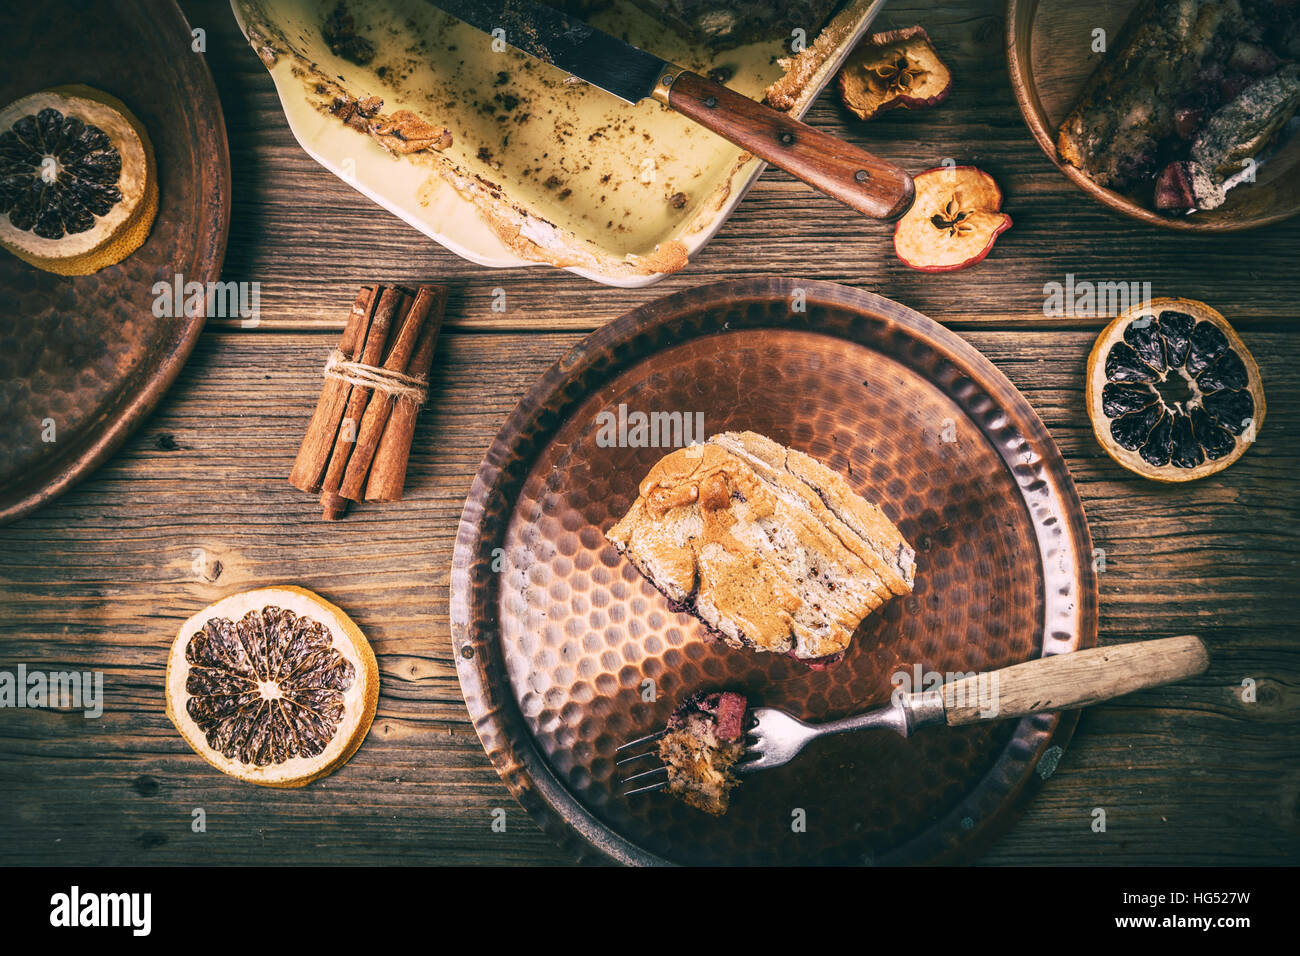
(1049, 57)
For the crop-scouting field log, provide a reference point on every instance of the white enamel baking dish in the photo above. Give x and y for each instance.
(539, 170)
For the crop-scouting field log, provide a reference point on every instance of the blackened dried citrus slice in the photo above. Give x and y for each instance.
(1157, 447)
(1132, 429)
(1124, 364)
(1176, 329)
(78, 188)
(275, 686)
(1117, 399)
(1147, 343)
(1186, 451)
(1210, 435)
(1208, 344)
(1173, 392)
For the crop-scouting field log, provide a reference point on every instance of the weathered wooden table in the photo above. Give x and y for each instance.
(196, 506)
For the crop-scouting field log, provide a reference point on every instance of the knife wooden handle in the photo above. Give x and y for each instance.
(853, 176)
(1067, 681)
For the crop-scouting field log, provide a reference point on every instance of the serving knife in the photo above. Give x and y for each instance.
(853, 176)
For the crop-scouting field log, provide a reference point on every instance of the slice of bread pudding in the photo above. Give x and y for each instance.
(766, 546)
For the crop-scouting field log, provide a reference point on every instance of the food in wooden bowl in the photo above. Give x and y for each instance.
(1173, 393)
(1187, 102)
(1179, 113)
(766, 546)
(78, 187)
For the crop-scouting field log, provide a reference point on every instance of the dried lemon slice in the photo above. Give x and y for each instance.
(275, 686)
(1173, 392)
(78, 186)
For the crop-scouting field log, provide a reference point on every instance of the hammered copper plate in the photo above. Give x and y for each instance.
(86, 353)
(555, 634)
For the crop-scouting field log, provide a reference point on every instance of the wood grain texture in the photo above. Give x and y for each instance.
(827, 163)
(310, 240)
(196, 506)
(1071, 681)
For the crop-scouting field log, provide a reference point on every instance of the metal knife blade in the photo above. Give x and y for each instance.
(566, 42)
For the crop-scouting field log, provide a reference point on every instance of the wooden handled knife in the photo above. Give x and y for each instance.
(840, 170)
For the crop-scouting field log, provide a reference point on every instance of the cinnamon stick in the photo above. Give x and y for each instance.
(388, 470)
(392, 301)
(399, 358)
(318, 443)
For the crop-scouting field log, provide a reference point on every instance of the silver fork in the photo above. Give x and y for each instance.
(656, 778)
(1060, 682)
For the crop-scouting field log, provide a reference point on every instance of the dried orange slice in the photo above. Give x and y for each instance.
(275, 686)
(78, 186)
(1173, 392)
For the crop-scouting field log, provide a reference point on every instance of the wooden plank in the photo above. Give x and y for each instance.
(310, 240)
(197, 506)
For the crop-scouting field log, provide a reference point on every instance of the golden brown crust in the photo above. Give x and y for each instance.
(795, 85)
(772, 551)
(863, 517)
(700, 766)
(404, 133)
(1066, 146)
(531, 237)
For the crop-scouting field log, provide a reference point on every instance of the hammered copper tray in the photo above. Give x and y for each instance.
(555, 634)
(83, 360)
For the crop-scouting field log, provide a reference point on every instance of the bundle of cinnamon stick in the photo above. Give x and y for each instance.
(359, 440)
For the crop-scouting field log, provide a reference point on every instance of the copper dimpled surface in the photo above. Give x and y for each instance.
(564, 651)
(85, 359)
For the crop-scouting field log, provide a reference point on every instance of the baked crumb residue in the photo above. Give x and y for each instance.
(617, 192)
(705, 739)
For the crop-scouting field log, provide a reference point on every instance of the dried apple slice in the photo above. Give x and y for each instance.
(953, 222)
(892, 70)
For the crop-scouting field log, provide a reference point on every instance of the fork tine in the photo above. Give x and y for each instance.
(642, 740)
(653, 786)
(658, 771)
(635, 757)
(661, 769)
